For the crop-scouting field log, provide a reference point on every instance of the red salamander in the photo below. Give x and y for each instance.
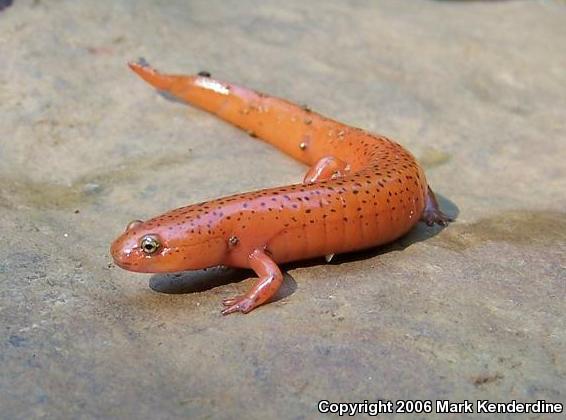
(362, 190)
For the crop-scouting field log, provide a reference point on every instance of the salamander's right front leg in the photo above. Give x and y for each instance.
(326, 168)
(270, 279)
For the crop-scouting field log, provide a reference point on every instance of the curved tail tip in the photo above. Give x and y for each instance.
(159, 81)
(142, 68)
(140, 63)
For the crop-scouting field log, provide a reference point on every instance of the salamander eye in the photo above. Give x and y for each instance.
(149, 244)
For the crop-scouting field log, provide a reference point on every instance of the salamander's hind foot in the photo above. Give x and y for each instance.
(432, 213)
(436, 216)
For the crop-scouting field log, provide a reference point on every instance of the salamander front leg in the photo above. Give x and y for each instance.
(432, 213)
(326, 168)
(270, 279)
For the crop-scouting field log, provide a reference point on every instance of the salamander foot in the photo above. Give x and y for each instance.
(242, 304)
(432, 213)
(432, 217)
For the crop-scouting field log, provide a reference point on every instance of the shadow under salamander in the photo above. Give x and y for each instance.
(201, 280)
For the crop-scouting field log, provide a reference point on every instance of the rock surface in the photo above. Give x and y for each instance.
(475, 311)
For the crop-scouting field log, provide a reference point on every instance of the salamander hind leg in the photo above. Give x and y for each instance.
(326, 168)
(270, 279)
(432, 213)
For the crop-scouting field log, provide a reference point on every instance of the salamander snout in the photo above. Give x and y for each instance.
(135, 254)
(136, 248)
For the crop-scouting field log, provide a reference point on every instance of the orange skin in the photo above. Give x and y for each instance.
(362, 190)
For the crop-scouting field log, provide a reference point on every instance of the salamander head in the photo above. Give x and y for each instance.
(164, 245)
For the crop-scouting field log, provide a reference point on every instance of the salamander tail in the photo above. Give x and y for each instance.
(150, 75)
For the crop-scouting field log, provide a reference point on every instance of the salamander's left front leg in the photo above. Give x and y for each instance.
(270, 279)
